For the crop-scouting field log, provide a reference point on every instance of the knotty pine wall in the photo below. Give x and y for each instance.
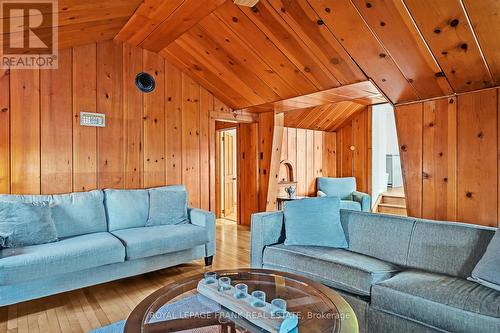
(312, 155)
(354, 149)
(149, 139)
(449, 155)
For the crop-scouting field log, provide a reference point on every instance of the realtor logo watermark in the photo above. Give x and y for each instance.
(29, 35)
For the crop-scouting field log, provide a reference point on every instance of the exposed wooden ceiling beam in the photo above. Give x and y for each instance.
(169, 20)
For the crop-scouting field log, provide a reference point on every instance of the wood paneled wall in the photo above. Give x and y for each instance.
(449, 155)
(149, 139)
(354, 150)
(312, 154)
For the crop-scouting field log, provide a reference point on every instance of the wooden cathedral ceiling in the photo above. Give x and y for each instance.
(279, 49)
(410, 49)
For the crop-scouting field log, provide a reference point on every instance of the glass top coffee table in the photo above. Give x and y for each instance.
(179, 308)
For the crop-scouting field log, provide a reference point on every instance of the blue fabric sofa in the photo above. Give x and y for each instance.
(399, 274)
(345, 189)
(106, 239)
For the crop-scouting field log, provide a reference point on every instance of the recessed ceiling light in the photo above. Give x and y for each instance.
(248, 3)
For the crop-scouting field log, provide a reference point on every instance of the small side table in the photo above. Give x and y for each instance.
(281, 200)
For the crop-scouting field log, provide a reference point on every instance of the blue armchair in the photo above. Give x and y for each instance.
(345, 189)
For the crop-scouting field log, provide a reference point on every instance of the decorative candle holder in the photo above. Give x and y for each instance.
(254, 308)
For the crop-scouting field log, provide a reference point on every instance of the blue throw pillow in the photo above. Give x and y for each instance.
(126, 208)
(314, 222)
(167, 208)
(24, 224)
(487, 270)
(79, 213)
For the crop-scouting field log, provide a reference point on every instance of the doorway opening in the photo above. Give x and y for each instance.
(227, 171)
(387, 178)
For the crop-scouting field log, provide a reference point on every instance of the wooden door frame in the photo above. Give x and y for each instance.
(219, 128)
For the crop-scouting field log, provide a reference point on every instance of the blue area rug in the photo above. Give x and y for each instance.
(193, 304)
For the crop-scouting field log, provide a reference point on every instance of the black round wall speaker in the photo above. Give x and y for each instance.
(145, 82)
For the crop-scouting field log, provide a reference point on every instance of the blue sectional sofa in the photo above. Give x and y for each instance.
(102, 238)
(399, 274)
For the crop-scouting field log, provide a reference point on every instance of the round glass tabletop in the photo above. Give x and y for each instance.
(179, 308)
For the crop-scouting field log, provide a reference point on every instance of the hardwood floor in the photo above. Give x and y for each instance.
(89, 308)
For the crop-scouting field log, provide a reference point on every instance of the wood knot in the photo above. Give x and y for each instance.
(235, 19)
(464, 46)
(480, 135)
(328, 10)
(468, 194)
(404, 147)
(369, 5)
(425, 175)
(439, 74)
(454, 23)
(5, 109)
(320, 22)
(431, 125)
(445, 179)
(382, 55)
(255, 9)
(382, 24)
(437, 31)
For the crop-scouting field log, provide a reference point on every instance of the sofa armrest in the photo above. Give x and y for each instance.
(204, 219)
(364, 199)
(267, 229)
(321, 194)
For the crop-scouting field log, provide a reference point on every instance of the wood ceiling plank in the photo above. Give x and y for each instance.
(250, 34)
(186, 16)
(319, 39)
(149, 15)
(346, 116)
(215, 53)
(231, 43)
(282, 35)
(292, 117)
(189, 69)
(79, 34)
(311, 117)
(191, 45)
(485, 18)
(395, 29)
(445, 27)
(342, 18)
(72, 12)
(177, 54)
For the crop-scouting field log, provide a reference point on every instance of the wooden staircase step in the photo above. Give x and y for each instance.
(395, 200)
(394, 209)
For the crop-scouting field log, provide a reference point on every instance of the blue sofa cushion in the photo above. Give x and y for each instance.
(487, 270)
(126, 208)
(447, 248)
(338, 268)
(350, 205)
(450, 303)
(174, 188)
(167, 208)
(79, 213)
(151, 241)
(24, 224)
(337, 187)
(315, 222)
(65, 256)
(385, 237)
